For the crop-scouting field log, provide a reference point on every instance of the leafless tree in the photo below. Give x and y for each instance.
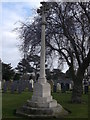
(67, 36)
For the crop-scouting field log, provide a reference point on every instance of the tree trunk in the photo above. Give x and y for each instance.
(77, 91)
(78, 78)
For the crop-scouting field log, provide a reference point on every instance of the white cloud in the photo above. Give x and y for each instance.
(34, 3)
(37, 1)
(0, 30)
(11, 13)
(16, 10)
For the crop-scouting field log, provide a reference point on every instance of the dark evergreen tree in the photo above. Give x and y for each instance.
(24, 67)
(16, 76)
(7, 72)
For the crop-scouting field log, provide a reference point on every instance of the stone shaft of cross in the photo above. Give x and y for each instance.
(42, 11)
(42, 59)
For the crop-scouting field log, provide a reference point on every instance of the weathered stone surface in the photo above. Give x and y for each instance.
(39, 104)
(41, 99)
(42, 96)
(42, 104)
(32, 112)
(41, 90)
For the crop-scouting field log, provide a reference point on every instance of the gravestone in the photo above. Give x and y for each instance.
(70, 86)
(19, 86)
(54, 88)
(23, 85)
(5, 84)
(67, 86)
(30, 87)
(86, 86)
(32, 82)
(58, 87)
(13, 86)
(51, 84)
(63, 87)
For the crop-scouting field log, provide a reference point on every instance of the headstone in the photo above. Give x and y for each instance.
(23, 85)
(19, 86)
(8, 85)
(70, 86)
(58, 87)
(63, 87)
(86, 87)
(89, 80)
(54, 88)
(32, 82)
(5, 86)
(26, 82)
(67, 86)
(30, 87)
(13, 86)
(51, 84)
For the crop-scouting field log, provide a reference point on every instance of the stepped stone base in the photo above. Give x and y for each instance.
(31, 112)
(50, 104)
(42, 104)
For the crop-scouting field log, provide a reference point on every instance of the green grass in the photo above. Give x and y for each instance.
(10, 102)
(0, 104)
(77, 110)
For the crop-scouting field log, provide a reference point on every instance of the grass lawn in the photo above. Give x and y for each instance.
(77, 110)
(10, 102)
(0, 104)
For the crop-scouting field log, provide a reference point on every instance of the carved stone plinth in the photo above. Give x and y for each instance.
(42, 96)
(42, 104)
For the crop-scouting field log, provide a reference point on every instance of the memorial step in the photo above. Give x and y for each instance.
(52, 103)
(41, 112)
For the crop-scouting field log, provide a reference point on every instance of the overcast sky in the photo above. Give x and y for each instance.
(12, 11)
